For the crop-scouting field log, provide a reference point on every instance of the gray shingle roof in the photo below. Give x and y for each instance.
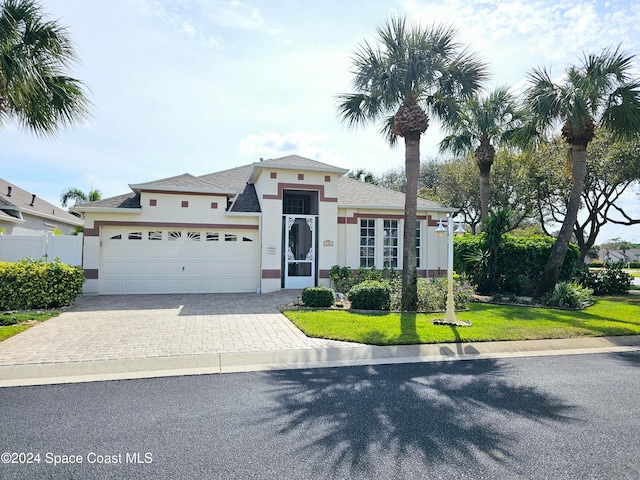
(23, 201)
(355, 193)
(350, 192)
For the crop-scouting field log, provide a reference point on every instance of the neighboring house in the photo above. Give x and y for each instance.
(23, 213)
(613, 256)
(280, 223)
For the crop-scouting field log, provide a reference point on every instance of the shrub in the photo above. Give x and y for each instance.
(370, 295)
(432, 294)
(570, 295)
(35, 284)
(608, 281)
(344, 278)
(318, 297)
(519, 262)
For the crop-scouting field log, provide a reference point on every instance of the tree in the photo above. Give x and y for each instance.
(409, 73)
(363, 175)
(601, 91)
(35, 54)
(79, 196)
(482, 124)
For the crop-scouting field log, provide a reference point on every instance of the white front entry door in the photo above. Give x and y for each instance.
(299, 251)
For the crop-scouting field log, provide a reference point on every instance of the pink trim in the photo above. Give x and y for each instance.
(295, 186)
(271, 273)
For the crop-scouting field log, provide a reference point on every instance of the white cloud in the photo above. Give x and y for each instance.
(273, 145)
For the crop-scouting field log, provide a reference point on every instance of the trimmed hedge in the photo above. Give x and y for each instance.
(519, 264)
(344, 278)
(370, 295)
(318, 297)
(35, 284)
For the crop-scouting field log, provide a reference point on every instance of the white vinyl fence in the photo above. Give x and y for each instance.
(68, 248)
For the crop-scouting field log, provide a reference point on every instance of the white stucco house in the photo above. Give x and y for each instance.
(273, 224)
(24, 213)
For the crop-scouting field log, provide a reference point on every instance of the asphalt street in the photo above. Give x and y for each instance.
(564, 417)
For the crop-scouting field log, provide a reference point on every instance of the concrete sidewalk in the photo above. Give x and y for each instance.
(145, 336)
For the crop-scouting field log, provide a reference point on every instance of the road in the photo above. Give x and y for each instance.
(563, 417)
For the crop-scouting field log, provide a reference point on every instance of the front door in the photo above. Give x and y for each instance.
(299, 251)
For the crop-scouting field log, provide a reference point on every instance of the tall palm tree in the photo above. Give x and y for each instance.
(601, 91)
(482, 124)
(409, 73)
(35, 54)
(79, 196)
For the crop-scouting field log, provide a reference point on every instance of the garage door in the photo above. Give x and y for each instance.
(178, 261)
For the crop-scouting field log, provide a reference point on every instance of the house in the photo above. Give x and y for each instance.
(279, 223)
(615, 256)
(23, 213)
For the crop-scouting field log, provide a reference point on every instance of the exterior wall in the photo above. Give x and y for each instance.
(34, 225)
(433, 250)
(270, 186)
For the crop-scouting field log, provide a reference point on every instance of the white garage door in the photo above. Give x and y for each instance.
(178, 261)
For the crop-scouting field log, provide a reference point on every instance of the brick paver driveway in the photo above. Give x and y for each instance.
(145, 326)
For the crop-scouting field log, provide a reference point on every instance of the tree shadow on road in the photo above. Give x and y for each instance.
(351, 417)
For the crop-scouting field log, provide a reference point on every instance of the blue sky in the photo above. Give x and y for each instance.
(199, 86)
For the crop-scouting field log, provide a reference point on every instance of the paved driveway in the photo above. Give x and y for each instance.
(147, 326)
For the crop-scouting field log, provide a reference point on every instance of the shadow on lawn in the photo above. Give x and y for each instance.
(352, 420)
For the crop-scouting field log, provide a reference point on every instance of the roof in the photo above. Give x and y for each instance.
(14, 201)
(238, 182)
(181, 183)
(354, 193)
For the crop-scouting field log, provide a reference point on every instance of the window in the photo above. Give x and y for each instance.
(418, 244)
(212, 237)
(155, 235)
(390, 244)
(293, 205)
(229, 237)
(247, 239)
(116, 237)
(193, 236)
(135, 236)
(367, 242)
(174, 235)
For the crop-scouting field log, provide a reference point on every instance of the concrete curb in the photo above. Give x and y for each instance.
(217, 363)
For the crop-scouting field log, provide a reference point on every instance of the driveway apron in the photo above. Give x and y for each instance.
(146, 326)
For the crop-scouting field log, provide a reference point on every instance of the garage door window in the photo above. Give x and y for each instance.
(175, 235)
(229, 237)
(155, 235)
(194, 236)
(212, 237)
(135, 236)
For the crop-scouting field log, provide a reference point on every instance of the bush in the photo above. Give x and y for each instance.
(608, 281)
(344, 278)
(432, 294)
(35, 284)
(519, 264)
(570, 295)
(318, 297)
(370, 295)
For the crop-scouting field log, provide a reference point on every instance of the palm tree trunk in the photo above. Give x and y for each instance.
(559, 250)
(409, 269)
(484, 195)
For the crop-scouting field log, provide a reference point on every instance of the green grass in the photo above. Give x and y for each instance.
(608, 316)
(20, 321)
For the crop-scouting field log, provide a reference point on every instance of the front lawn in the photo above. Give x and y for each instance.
(12, 323)
(608, 316)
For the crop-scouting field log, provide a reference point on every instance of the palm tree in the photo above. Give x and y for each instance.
(601, 91)
(483, 123)
(409, 73)
(79, 196)
(34, 56)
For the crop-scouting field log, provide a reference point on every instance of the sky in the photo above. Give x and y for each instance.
(199, 86)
